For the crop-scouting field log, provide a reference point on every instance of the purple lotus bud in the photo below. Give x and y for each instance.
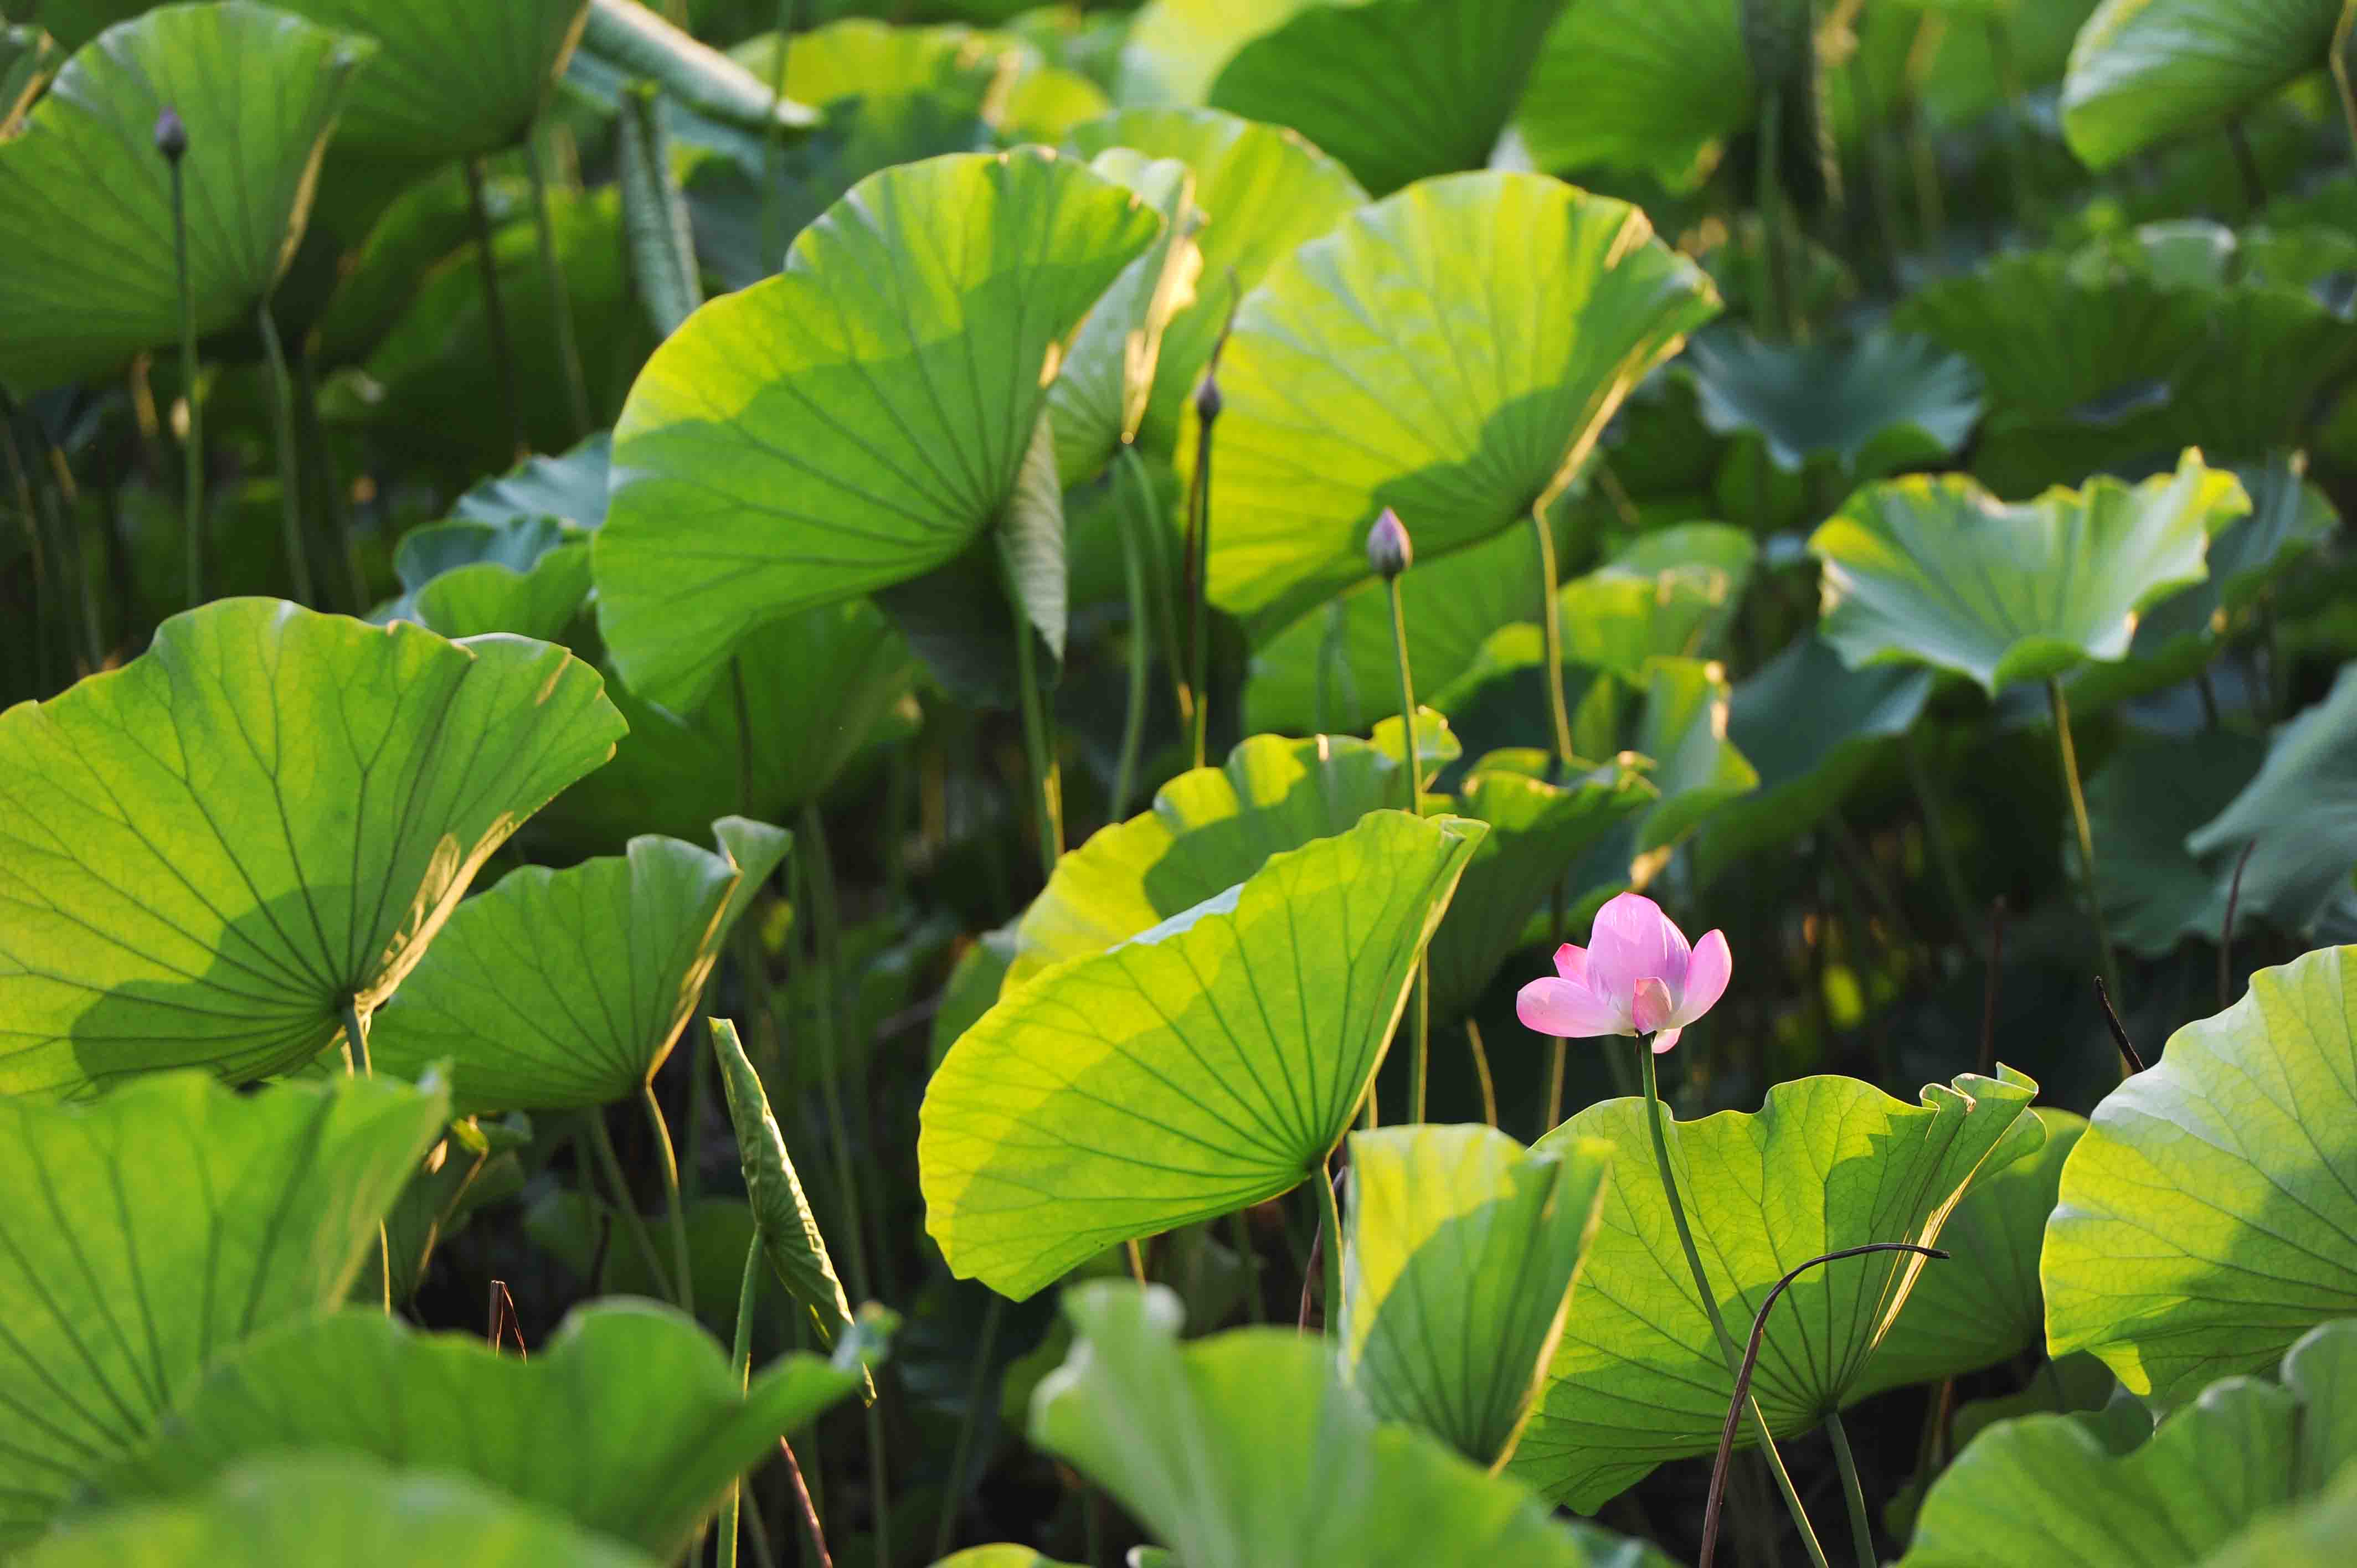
(1389, 550)
(171, 136)
(1208, 402)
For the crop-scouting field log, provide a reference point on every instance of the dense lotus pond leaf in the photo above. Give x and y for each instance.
(1232, 782)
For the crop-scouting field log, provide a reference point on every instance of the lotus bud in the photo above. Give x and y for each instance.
(1208, 402)
(1389, 550)
(171, 136)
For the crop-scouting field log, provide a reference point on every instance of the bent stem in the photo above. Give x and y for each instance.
(684, 1294)
(1655, 1112)
(551, 268)
(1134, 516)
(1551, 631)
(192, 451)
(740, 1363)
(495, 314)
(290, 479)
(2069, 752)
(1413, 755)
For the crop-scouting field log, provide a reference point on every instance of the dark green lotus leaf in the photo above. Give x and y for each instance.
(1873, 404)
(1452, 353)
(268, 814)
(1264, 190)
(2146, 72)
(2204, 1216)
(1208, 1064)
(529, 576)
(1248, 1450)
(91, 277)
(917, 345)
(1938, 571)
(2041, 1492)
(1397, 90)
(1459, 1252)
(790, 1238)
(566, 989)
(180, 1218)
(334, 1511)
(1827, 1163)
(2152, 794)
(651, 1419)
(570, 488)
(1810, 726)
(1648, 85)
(2298, 815)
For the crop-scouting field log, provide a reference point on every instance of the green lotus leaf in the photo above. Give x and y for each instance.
(1827, 1163)
(1459, 1252)
(180, 1218)
(634, 43)
(566, 989)
(1810, 726)
(1397, 90)
(1000, 1556)
(1248, 1450)
(456, 1180)
(818, 685)
(2153, 793)
(1262, 191)
(1203, 1066)
(332, 1510)
(91, 276)
(1098, 398)
(856, 422)
(1983, 1305)
(1649, 85)
(1452, 353)
(865, 58)
(1176, 48)
(2146, 72)
(1938, 572)
(789, 1230)
(2204, 1216)
(2298, 815)
(570, 488)
(266, 815)
(2041, 1492)
(1872, 404)
(652, 1423)
(1671, 595)
(529, 576)
(973, 986)
(2314, 1533)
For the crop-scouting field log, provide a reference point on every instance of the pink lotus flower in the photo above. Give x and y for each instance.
(1636, 976)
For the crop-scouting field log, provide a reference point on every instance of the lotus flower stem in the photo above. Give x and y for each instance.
(1551, 638)
(495, 314)
(1420, 1009)
(1861, 1527)
(953, 1491)
(1742, 1396)
(601, 1143)
(559, 298)
(2069, 754)
(1482, 1072)
(1198, 573)
(290, 474)
(1135, 517)
(1039, 746)
(1331, 1233)
(192, 450)
(740, 1362)
(1655, 1112)
(684, 1281)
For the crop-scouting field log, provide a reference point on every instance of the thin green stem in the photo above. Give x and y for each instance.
(1558, 1061)
(1134, 514)
(495, 312)
(192, 451)
(290, 479)
(1775, 241)
(1861, 1526)
(683, 1274)
(1331, 1229)
(953, 1496)
(1655, 1114)
(1039, 748)
(773, 154)
(740, 1361)
(357, 1065)
(1923, 155)
(1420, 1009)
(1551, 630)
(601, 1143)
(1199, 572)
(560, 296)
(2069, 752)
(817, 869)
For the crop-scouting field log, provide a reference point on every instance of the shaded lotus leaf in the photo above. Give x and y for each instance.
(1208, 1064)
(571, 487)
(1452, 353)
(2151, 795)
(1938, 572)
(1671, 595)
(652, 1421)
(1248, 1450)
(2041, 1492)
(1872, 404)
(625, 42)
(1459, 1252)
(452, 78)
(476, 1164)
(2205, 1216)
(2312, 1533)
(1828, 1162)
(566, 989)
(1397, 90)
(93, 276)
(529, 576)
(1261, 190)
(790, 1238)
(1983, 1305)
(2146, 72)
(1810, 726)
(2298, 815)
(268, 814)
(916, 342)
(332, 1510)
(178, 1219)
(973, 986)
(1649, 85)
